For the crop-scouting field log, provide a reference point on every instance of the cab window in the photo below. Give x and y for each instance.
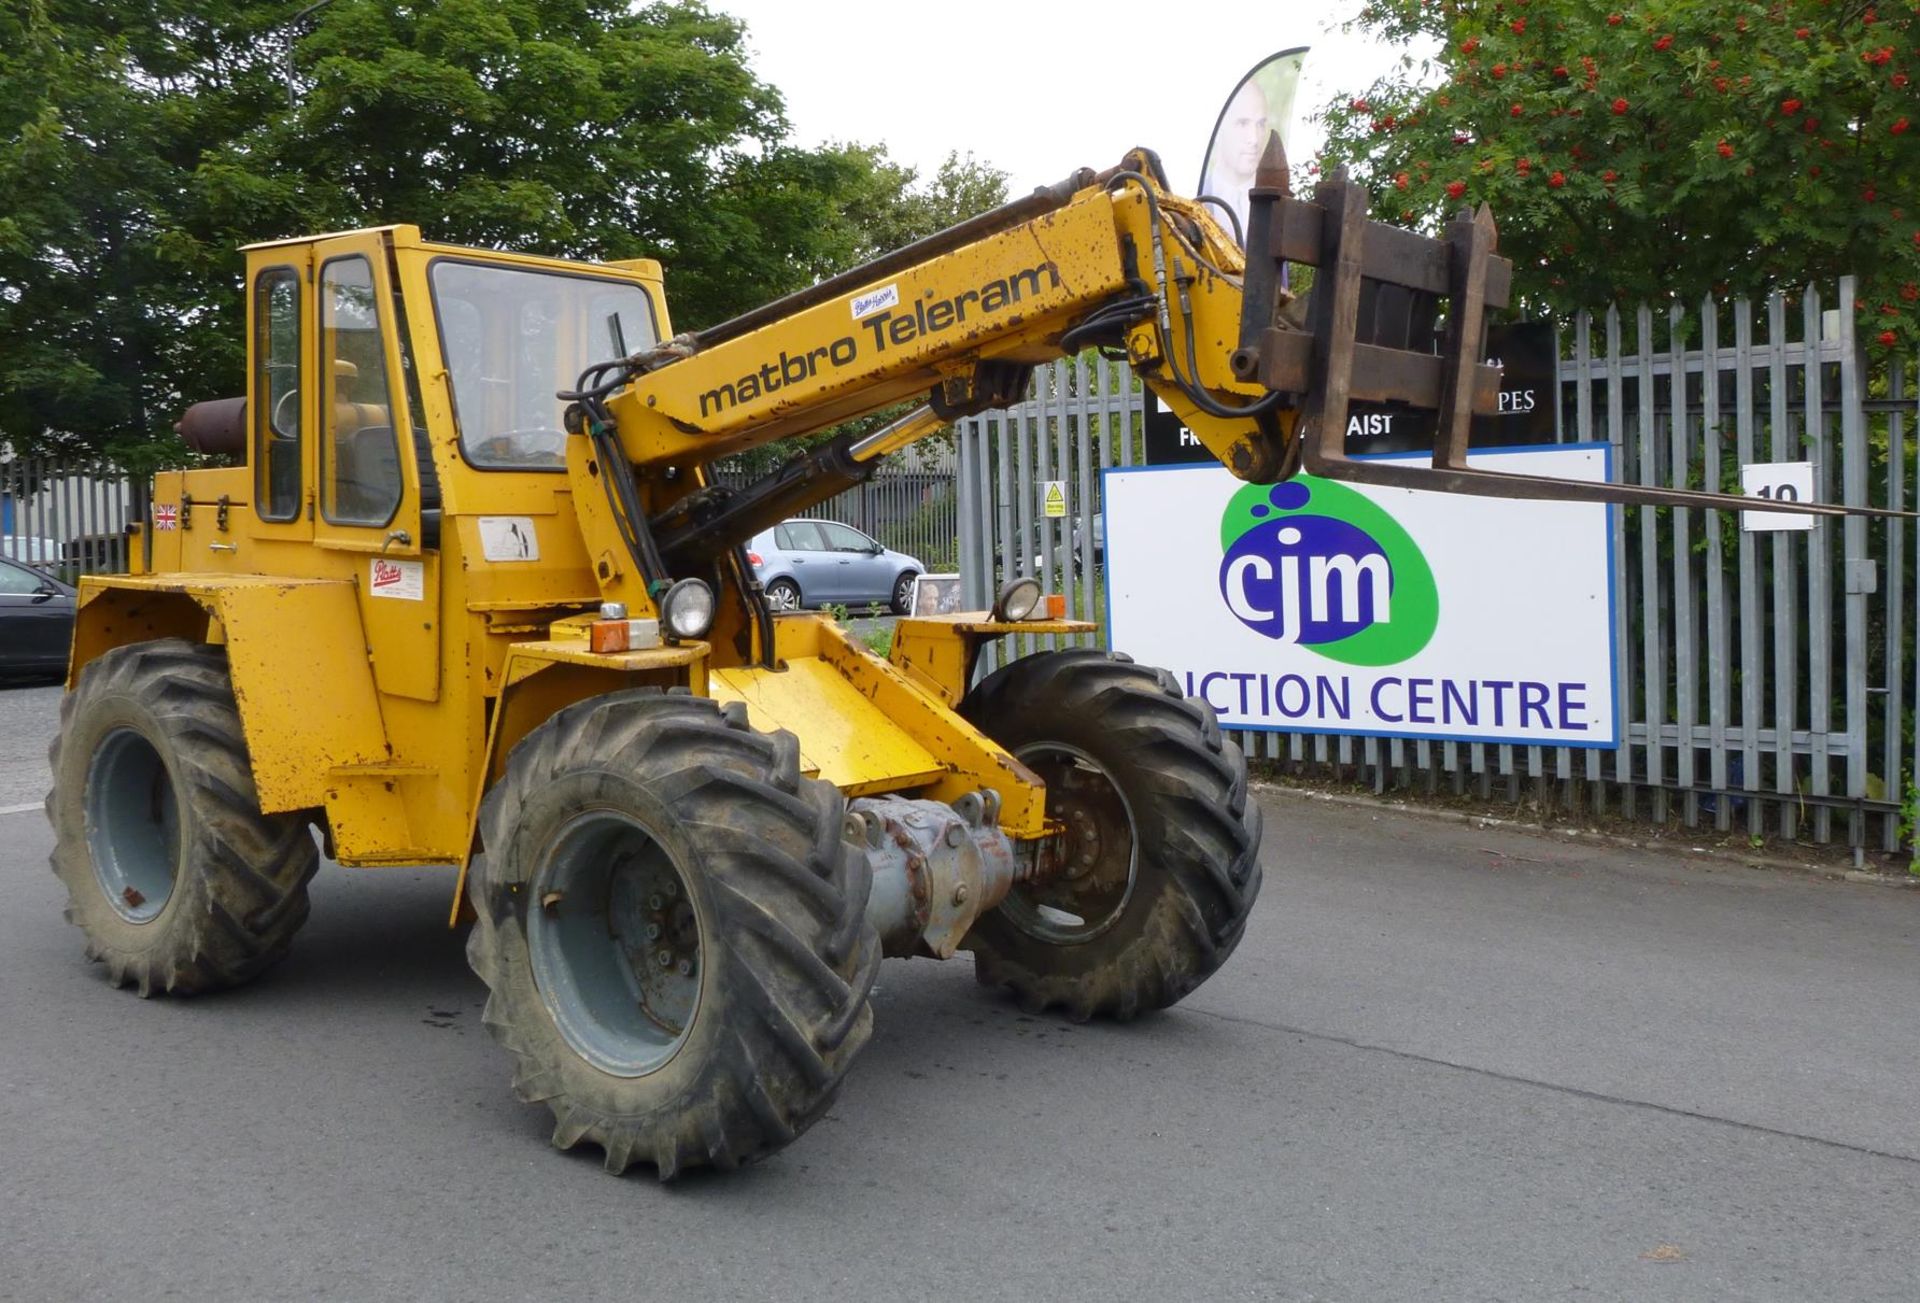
(276, 388)
(512, 338)
(360, 458)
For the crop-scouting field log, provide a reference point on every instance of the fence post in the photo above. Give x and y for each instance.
(1858, 573)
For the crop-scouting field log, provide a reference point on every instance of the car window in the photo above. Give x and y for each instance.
(783, 538)
(845, 538)
(805, 536)
(18, 579)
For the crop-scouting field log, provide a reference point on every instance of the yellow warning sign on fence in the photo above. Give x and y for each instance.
(1054, 499)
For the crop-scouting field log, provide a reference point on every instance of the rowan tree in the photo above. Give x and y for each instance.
(1670, 147)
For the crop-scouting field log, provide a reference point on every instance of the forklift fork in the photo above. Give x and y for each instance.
(1363, 263)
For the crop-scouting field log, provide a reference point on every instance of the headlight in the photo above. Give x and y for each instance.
(687, 609)
(1018, 600)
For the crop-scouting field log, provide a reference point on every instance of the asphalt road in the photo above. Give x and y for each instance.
(1445, 1064)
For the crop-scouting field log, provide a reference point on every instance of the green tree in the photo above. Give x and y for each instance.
(96, 149)
(143, 141)
(1676, 146)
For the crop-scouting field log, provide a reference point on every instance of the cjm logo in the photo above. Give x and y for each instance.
(1315, 564)
(1341, 592)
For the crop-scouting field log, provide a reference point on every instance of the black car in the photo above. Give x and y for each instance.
(36, 622)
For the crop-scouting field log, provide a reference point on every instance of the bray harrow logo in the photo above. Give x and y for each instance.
(1313, 562)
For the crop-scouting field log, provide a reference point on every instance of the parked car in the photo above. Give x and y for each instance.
(813, 562)
(36, 621)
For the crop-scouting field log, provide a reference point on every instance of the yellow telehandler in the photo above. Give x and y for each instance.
(467, 593)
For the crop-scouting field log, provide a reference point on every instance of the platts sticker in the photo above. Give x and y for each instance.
(406, 579)
(865, 305)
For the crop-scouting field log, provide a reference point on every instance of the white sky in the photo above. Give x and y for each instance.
(1040, 87)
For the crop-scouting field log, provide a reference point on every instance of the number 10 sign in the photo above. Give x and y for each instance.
(1782, 481)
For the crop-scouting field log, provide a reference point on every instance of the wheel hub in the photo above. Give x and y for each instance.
(133, 825)
(1086, 877)
(614, 940)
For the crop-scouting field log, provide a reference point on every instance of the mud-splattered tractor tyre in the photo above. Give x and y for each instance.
(1162, 842)
(177, 879)
(672, 930)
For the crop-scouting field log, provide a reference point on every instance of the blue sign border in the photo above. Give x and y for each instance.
(1613, 605)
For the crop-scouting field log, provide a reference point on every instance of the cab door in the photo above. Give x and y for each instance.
(279, 402)
(368, 446)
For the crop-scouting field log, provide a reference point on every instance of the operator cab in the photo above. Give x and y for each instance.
(384, 370)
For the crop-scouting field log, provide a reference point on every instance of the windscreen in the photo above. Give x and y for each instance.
(513, 338)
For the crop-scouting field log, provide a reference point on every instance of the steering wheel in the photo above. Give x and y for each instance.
(289, 404)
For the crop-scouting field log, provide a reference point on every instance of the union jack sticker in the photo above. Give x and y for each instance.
(166, 516)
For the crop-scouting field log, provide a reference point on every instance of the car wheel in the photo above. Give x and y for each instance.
(783, 595)
(903, 592)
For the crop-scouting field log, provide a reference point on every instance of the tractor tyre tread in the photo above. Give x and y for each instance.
(1198, 834)
(240, 883)
(789, 986)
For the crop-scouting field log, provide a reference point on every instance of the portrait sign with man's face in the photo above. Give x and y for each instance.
(1261, 103)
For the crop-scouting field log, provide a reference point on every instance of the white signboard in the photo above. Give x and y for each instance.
(1782, 481)
(1313, 606)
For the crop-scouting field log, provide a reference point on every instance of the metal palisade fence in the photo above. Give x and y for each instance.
(67, 517)
(1765, 681)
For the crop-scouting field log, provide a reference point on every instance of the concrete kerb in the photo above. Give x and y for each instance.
(1589, 836)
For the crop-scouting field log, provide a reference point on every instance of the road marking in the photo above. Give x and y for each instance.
(21, 809)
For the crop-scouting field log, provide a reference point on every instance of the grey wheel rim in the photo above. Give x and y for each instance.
(1102, 850)
(613, 936)
(783, 596)
(133, 825)
(902, 592)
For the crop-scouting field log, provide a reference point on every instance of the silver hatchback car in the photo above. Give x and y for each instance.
(814, 562)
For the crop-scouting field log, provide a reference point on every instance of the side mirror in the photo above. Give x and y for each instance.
(875, 549)
(45, 593)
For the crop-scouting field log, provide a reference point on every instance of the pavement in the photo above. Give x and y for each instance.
(1446, 1063)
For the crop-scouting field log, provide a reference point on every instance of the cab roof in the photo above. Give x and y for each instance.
(407, 235)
